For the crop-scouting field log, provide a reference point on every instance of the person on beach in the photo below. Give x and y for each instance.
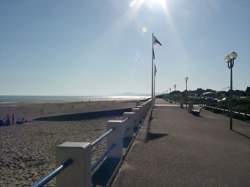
(13, 119)
(1, 122)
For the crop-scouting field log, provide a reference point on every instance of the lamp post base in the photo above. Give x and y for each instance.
(231, 123)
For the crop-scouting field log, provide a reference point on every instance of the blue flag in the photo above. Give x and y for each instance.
(156, 41)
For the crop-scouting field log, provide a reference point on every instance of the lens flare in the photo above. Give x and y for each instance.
(144, 29)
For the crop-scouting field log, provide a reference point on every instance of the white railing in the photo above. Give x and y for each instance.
(119, 134)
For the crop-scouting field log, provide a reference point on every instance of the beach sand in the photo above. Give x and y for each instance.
(27, 151)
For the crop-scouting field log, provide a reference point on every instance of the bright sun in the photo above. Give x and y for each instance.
(150, 3)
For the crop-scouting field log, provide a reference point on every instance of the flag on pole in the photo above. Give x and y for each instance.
(156, 41)
(153, 53)
(155, 70)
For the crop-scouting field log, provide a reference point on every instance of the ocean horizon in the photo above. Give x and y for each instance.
(8, 99)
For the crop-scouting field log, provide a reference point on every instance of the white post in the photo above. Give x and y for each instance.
(137, 116)
(140, 107)
(141, 114)
(116, 137)
(129, 131)
(78, 174)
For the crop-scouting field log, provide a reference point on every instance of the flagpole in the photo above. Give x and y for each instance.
(154, 41)
(152, 81)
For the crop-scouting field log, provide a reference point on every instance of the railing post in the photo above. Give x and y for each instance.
(79, 173)
(116, 137)
(144, 108)
(140, 112)
(137, 118)
(129, 132)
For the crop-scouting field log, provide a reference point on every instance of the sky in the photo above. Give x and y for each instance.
(103, 47)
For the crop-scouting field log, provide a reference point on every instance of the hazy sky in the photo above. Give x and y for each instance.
(96, 47)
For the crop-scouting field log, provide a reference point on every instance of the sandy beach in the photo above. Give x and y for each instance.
(27, 151)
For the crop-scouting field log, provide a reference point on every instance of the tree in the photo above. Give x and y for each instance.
(247, 91)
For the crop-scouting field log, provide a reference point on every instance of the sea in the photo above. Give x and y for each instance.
(5, 99)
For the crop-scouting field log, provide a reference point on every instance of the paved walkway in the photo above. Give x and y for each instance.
(185, 150)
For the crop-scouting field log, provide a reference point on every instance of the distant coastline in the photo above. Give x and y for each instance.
(11, 99)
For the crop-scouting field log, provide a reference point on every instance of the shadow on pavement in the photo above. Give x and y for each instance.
(196, 115)
(153, 136)
(244, 135)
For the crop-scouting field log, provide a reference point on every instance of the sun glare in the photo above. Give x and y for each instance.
(156, 3)
(144, 29)
(149, 3)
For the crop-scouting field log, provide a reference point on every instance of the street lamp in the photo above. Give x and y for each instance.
(175, 93)
(229, 59)
(186, 80)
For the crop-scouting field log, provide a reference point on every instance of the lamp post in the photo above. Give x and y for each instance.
(175, 93)
(229, 59)
(186, 80)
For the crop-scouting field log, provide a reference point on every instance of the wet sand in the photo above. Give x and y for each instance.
(27, 151)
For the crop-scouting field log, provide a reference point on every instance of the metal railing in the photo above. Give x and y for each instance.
(226, 110)
(54, 173)
(101, 137)
(105, 155)
(102, 159)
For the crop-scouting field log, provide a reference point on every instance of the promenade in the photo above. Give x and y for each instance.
(185, 150)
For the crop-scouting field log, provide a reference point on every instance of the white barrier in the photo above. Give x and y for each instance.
(80, 152)
(80, 172)
(115, 138)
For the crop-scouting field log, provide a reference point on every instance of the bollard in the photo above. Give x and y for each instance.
(143, 111)
(141, 115)
(129, 132)
(79, 173)
(116, 137)
(137, 118)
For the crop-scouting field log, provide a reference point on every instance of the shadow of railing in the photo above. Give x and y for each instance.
(240, 133)
(153, 136)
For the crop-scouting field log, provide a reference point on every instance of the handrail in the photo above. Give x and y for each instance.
(102, 158)
(53, 174)
(101, 137)
(226, 110)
